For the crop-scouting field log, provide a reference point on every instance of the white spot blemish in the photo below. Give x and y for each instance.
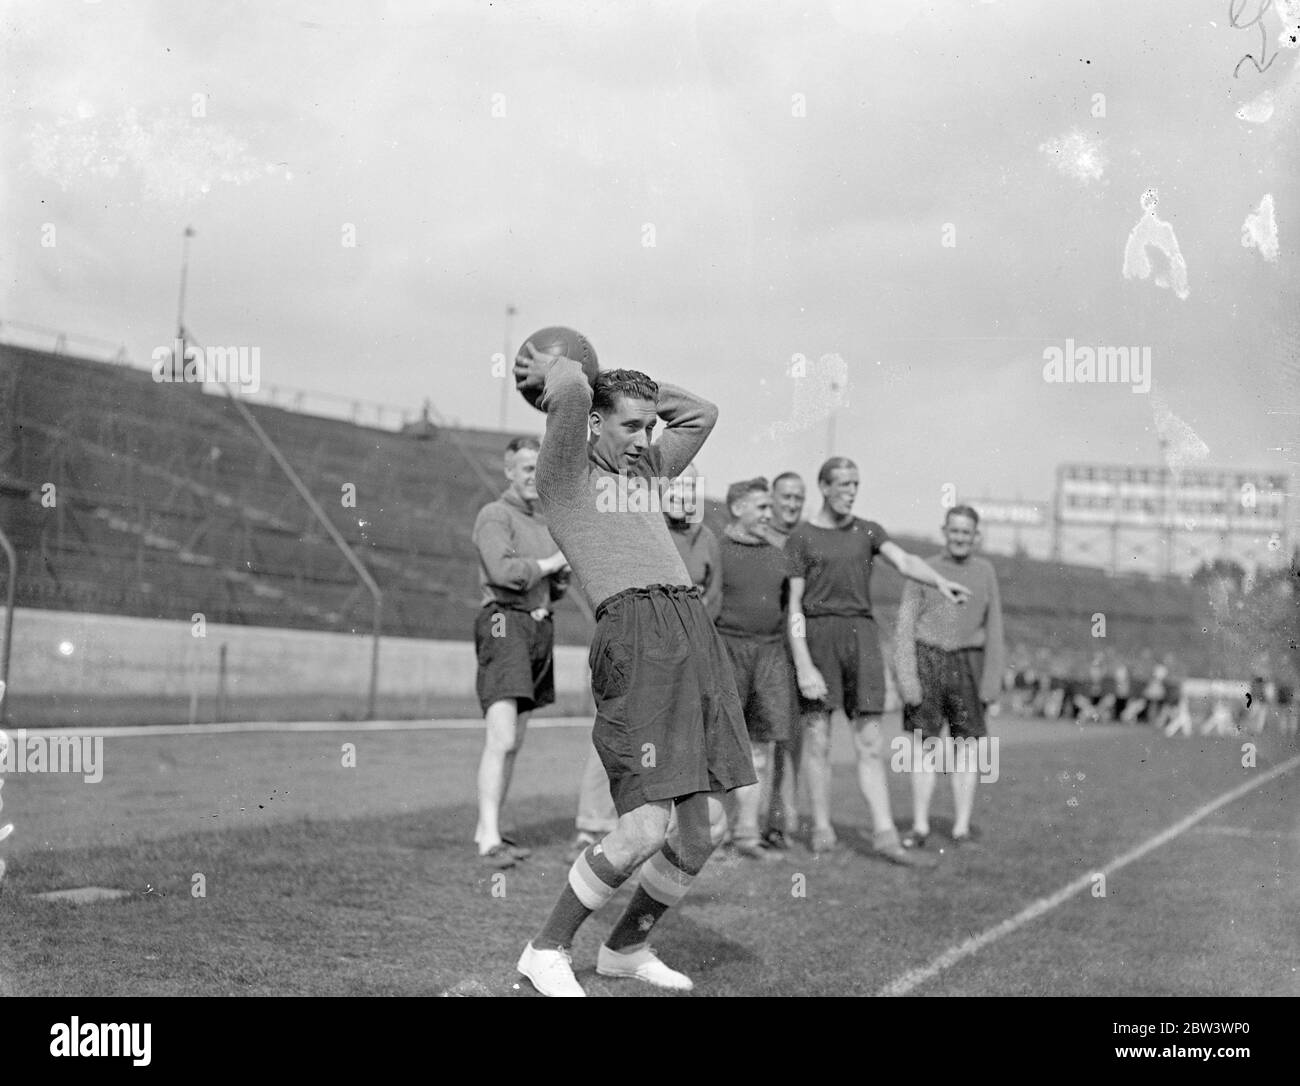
(1153, 232)
(1180, 442)
(1257, 110)
(1259, 231)
(1076, 156)
(176, 161)
(818, 393)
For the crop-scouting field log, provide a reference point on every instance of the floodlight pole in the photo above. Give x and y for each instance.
(185, 267)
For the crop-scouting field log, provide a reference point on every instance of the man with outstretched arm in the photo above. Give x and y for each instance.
(838, 663)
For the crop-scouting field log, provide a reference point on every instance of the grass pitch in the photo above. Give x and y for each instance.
(318, 879)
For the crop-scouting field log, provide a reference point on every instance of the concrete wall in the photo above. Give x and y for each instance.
(74, 668)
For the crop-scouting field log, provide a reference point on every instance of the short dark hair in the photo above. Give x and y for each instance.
(610, 384)
(742, 489)
(962, 511)
(786, 475)
(833, 465)
(523, 443)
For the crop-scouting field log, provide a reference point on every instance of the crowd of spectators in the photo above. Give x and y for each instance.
(1106, 688)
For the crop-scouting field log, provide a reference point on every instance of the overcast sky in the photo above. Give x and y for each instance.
(798, 168)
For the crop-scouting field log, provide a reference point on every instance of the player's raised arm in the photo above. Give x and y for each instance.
(689, 421)
(566, 399)
(917, 569)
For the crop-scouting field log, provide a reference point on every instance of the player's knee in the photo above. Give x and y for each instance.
(871, 749)
(637, 838)
(694, 849)
(499, 741)
(870, 742)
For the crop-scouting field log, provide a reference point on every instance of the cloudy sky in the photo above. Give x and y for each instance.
(919, 199)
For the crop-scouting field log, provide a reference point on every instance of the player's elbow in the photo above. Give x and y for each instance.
(514, 576)
(567, 388)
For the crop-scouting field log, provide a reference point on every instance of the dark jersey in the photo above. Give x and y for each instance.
(835, 564)
(753, 577)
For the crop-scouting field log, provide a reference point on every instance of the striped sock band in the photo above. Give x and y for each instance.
(665, 877)
(593, 880)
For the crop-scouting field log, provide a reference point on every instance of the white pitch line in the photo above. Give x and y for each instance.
(950, 957)
(137, 730)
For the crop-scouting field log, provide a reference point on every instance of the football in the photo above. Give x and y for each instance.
(558, 341)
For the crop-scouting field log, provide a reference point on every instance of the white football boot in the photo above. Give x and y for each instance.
(641, 964)
(551, 971)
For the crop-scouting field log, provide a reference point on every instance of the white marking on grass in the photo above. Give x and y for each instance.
(84, 895)
(136, 730)
(950, 957)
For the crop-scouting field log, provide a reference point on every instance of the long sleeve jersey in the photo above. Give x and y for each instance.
(699, 549)
(610, 531)
(511, 535)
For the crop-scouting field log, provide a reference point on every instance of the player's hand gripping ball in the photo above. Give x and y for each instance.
(563, 342)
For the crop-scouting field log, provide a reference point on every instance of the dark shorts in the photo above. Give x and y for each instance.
(847, 653)
(765, 682)
(668, 718)
(516, 662)
(950, 693)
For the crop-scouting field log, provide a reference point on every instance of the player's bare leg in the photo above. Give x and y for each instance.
(504, 734)
(593, 880)
(923, 781)
(504, 828)
(786, 769)
(873, 782)
(508, 767)
(752, 799)
(670, 854)
(963, 799)
(665, 878)
(817, 774)
(596, 814)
